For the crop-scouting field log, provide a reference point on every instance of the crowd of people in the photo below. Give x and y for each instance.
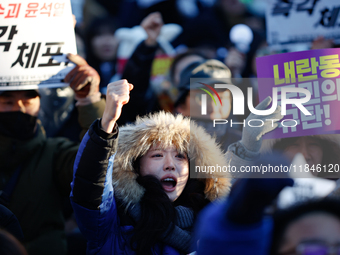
(110, 170)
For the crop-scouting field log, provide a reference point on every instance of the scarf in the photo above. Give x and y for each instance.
(177, 236)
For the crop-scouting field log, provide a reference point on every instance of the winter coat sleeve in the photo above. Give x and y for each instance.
(92, 195)
(10, 223)
(238, 156)
(138, 72)
(65, 151)
(138, 67)
(88, 114)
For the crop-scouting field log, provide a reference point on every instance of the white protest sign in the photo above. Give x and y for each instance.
(34, 40)
(306, 186)
(291, 22)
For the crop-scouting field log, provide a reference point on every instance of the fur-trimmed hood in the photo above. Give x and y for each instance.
(136, 139)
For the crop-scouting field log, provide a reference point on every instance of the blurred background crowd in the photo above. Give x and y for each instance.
(158, 45)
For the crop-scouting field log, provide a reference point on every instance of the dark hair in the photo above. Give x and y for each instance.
(158, 212)
(182, 98)
(31, 93)
(9, 245)
(98, 26)
(284, 217)
(329, 148)
(101, 25)
(178, 58)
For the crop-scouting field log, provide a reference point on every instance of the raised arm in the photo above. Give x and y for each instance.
(84, 80)
(138, 69)
(118, 94)
(245, 151)
(92, 192)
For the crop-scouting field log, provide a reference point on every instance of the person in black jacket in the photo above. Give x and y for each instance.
(35, 171)
(138, 72)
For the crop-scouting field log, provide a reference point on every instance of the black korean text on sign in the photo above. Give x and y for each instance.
(29, 55)
(33, 51)
(307, 5)
(49, 54)
(12, 32)
(329, 17)
(283, 7)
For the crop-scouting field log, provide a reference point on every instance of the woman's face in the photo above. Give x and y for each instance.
(104, 46)
(309, 147)
(169, 166)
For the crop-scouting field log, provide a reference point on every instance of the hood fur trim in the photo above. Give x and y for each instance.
(165, 129)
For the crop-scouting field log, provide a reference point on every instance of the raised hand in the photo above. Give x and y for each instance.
(152, 25)
(252, 136)
(83, 79)
(117, 95)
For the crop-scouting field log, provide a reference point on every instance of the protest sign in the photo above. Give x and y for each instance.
(318, 71)
(301, 21)
(34, 40)
(306, 185)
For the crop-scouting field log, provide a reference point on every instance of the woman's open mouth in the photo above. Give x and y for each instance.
(169, 183)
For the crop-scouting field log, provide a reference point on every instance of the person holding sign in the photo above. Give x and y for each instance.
(319, 151)
(309, 100)
(131, 191)
(35, 171)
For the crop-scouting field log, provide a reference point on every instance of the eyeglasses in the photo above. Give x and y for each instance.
(315, 248)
